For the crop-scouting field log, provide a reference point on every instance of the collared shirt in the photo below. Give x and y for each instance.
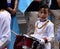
(48, 31)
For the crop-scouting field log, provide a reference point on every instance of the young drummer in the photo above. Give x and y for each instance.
(44, 28)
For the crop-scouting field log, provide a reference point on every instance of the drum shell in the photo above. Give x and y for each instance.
(28, 42)
(19, 42)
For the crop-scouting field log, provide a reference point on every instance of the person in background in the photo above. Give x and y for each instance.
(12, 7)
(44, 28)
(5, 21)
(54, 4)
(31, 15)
(34, 5)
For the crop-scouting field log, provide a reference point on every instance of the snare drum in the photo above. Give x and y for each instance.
(28, 41)
(24, 42)
(19, 42)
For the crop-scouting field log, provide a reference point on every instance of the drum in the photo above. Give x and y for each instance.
(19, 41)
(25, 42)
(28, 41)
(31, 43)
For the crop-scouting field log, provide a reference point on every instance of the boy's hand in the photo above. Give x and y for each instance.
(46, 40)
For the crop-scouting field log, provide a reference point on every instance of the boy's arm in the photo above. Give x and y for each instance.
(50, 32)
(5, 30)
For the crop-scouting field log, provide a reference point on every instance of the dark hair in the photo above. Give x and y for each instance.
(3, 4)
(43, 6)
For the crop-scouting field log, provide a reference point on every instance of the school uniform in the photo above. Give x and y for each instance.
(5, 31)
(44, 30)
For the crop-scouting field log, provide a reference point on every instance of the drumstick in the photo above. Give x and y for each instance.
(14, 32)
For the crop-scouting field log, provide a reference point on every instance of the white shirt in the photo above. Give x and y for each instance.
(48, 31)
(5, 31)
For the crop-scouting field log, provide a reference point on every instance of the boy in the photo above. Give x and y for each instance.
(5, 20)
(44, 28)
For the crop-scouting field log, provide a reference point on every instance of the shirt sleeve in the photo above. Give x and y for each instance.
(50, 31)
(5, 29)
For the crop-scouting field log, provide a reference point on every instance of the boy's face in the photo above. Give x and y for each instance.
(43, 13)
